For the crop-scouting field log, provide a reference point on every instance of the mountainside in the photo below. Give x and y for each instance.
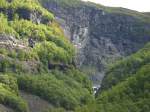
(126, 86)
(125, 68)
(36, 58)
(101, 34)
(47, 57)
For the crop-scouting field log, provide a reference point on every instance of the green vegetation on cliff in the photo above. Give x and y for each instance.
(126, 67)
(126, 86)
(130, 95)
(60, 89)
(24, 6)
(38, 59)
(50, 44)
(9, 95)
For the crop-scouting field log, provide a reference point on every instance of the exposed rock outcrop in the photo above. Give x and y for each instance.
(100, 37)
(24, 13)
(11, 42)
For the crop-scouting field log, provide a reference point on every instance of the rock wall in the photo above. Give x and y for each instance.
(100, 37)
(23, 13)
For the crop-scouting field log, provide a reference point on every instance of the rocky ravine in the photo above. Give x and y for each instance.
(101, 37)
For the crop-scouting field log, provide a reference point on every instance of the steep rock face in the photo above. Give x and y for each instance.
(23, 13)
(100, 37)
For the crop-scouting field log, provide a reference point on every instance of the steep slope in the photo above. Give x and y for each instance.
(23, 34)
(126, 86)
(37, 58)
(101, 34)
(9, 94)
(130, 95)
(129, 88)
(125, 68)
(35, 103)
(5, 109)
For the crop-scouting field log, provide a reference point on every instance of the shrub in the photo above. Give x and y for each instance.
(9, 93)
(12, 100)
(61, 92)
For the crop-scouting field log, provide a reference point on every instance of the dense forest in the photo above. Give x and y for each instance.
(37, 58)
